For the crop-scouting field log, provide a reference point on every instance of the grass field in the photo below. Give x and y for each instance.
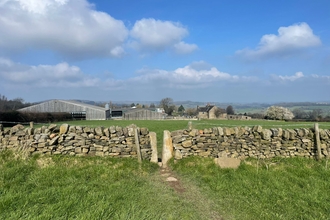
(294, 188)
(64, 187)
(86, 188)
(42, 187)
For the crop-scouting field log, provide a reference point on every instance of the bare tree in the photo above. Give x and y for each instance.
(191, 111)
(167, 105)
(218, 111)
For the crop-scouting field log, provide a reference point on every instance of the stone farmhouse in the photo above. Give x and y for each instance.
(209, 112)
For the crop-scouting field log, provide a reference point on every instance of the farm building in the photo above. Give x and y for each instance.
(137, 114)
(77, 109)
(209, 112)
(238, 117)
(143, 114)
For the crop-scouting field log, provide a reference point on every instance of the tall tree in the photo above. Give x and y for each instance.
(167, 105)
(181, 108)
(230, 110)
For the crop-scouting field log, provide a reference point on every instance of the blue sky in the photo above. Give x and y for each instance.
(209, 51)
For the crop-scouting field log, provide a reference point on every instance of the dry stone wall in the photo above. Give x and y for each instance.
(113, 141)
(243, 142)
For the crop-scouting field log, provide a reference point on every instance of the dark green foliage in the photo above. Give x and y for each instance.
(230, 110)
(25, 117)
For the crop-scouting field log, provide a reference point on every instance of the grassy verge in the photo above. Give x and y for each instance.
(293, 188)
(86, 188)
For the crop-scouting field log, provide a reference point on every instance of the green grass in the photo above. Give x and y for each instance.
(108, 188)
(293, 188)
(86, 188)
(64, 187)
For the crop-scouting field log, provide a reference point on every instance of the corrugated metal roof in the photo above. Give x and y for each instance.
(83, 104)
(80, 104)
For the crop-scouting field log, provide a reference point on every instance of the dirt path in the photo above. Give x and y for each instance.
(190, 193)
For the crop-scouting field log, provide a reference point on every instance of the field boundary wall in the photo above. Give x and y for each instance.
(244, 142)
(113, 141)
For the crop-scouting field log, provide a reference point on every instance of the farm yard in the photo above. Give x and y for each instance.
(66, 187)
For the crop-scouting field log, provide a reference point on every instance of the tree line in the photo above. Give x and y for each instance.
(9, 113)
(11, 105)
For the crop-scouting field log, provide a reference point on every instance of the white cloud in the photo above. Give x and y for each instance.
(322, 77)
(156, 35)
(44, 76)
(297, 75)
(187, 77)
(197, 81)
(289, 40)
(70, 27)
(184, 48)
(286, 78)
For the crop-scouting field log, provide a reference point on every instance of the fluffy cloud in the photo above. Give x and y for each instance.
(197, 81)
(43, 76)
(70, 27)
(184, 48)
(156, 35)
(289, 40)
(187, 77)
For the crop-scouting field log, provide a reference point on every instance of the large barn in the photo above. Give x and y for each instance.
(138, 114)
(77, 109)
(80, 110)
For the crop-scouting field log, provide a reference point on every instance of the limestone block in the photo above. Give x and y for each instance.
(153, 143)
(193, 133)
(187, 143)
(167, 152)
(99, 131)
(16, 128)
(144, 131)
(266, 134)
(106, 132)
(178, 155)
(220, 131)
(257, 128)
(72, 129)
(64, 128)
(204, 153)
(178, 139)
(99, 153)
